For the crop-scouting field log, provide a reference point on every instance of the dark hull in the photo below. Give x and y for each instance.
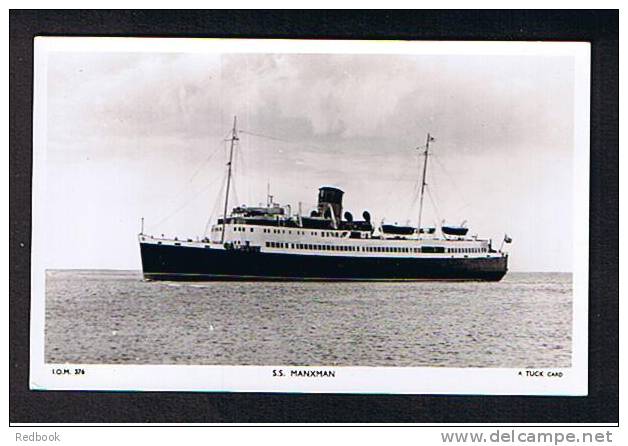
(166, 262)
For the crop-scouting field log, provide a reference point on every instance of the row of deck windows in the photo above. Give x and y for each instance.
(331, 234)
(311, 247)
(289, 231)
(466, 250)
(425, 249)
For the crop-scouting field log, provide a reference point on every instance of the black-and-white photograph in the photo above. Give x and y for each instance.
(324, 216)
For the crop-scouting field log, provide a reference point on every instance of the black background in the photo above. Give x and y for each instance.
(601, 28)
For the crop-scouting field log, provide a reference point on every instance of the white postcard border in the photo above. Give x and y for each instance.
(379, 380)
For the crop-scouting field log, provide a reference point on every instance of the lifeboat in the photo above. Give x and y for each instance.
(455, 230)
(398, 230)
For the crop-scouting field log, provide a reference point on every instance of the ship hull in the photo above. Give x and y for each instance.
(167, 262)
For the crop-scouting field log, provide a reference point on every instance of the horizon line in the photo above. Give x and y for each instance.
(139, 270)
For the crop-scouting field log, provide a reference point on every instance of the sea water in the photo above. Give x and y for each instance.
(115, 317)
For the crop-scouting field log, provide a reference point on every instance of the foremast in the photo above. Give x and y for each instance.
(234, 138)
(423, 183)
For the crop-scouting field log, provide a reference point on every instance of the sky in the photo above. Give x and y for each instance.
(132, 135)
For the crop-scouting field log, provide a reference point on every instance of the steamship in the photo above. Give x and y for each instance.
(271, 243)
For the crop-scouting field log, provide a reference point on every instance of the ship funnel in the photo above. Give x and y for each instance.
(330, 197)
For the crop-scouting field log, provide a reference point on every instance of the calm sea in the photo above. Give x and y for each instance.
(114, 317)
